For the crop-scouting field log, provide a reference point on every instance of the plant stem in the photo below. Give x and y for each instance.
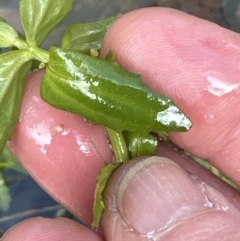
(119, 146)
(39, 54)
(6, 164)
(20, 44)
(34, 51)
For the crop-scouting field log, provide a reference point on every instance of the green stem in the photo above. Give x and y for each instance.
(39, 54)
(6, 164)
(20, 44)
(119, 146)
(163, 135)
(34, 51)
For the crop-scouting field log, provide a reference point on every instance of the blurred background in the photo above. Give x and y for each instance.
(27, 198)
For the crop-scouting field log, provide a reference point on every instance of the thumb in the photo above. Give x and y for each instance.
(152, 198)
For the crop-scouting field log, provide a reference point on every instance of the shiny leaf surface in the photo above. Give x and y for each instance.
(140, 144)
(103, 93)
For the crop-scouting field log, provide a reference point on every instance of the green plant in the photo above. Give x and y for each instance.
(77, 80)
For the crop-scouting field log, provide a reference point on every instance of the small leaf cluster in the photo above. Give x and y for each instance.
(38, 19)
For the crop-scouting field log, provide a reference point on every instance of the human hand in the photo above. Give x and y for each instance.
(182, 57)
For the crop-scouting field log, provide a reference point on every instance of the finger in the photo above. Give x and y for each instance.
(44, 229)
(62, 151)
(154, 199)
(196, 63)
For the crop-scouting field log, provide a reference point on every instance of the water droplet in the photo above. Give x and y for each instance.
(84, 145)
(218, 85)
(41, 134)
(209, 118)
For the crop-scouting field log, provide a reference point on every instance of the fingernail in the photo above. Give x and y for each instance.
(156, 193)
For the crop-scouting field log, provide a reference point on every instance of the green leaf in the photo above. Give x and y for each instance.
(140, 144)
(13, 70)
(2, 20)
(7, 35)
(110, 57)
(7, 160)
(5, 197)
(39, 17)
(103, 93)
(99, 206)
(86, 36)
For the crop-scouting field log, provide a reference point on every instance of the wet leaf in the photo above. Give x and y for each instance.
(103, 93)
(140, 144)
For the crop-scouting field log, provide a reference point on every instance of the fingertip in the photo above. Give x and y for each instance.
(153, 197)
(42, 229)
(189, 60)
(60, 150)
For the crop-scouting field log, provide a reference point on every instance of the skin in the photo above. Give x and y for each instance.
(152, 198)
